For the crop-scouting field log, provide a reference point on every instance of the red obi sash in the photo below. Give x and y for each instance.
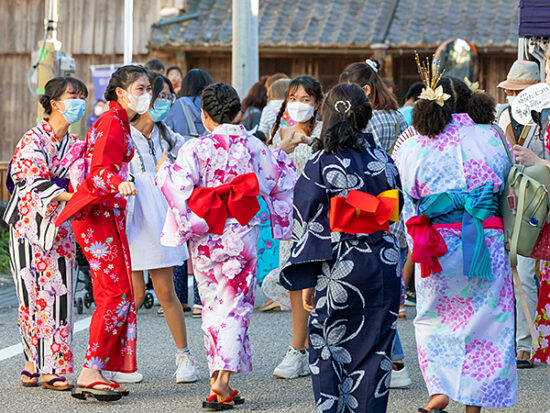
(362, 213)
(237, 199)
(429, 245)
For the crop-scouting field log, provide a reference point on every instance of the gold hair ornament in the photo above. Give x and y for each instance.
(431, 78)
(474, 86)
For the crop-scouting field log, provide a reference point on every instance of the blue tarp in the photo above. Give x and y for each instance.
(534, 18)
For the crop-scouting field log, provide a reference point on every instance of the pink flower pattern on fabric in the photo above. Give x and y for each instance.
(483, 360)
(225, 265)
(478, 172)
(455, 311)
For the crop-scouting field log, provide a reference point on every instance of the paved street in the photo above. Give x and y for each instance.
(270, 335)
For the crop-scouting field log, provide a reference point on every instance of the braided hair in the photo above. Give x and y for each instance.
(311, 86)
(346, 112)
(221, 102)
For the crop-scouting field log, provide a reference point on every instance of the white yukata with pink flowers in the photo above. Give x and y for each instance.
(225, 265)
(464, 325)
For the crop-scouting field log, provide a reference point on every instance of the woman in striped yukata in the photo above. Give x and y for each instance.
(42, 256)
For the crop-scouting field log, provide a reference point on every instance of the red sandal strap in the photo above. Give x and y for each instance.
(97, 383)
(212, 398)
(229, 399)
(115, 385)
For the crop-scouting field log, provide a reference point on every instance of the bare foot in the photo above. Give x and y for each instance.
(438, 401)
(48, 377)
(223, 391)
(88, 376)
(29, 366)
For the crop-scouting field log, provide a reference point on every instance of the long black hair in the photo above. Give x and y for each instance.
(362, 74)
(346, 112)
(194, 83)
(312, 87)
(158, 81)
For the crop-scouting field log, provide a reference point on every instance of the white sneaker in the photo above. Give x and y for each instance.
(120, 377)
(294, 364)
(187, 371)
(400, 379)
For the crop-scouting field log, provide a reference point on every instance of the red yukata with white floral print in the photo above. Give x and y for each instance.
(99, 225)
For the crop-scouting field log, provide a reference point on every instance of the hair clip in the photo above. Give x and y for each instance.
(430, 76)
(372, 64)
(346, 104)
(474, 86)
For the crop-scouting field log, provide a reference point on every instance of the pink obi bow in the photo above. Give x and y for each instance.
(428, 244)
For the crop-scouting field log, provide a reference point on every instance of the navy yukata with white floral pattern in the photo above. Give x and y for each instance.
(356, 280)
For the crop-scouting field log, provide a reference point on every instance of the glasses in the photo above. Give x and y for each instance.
(168, 96)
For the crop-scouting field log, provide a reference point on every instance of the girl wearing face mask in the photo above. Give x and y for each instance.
(98, 210)
(303, 98)
(42, 257)
(152, 138)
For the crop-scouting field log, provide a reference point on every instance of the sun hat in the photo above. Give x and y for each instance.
(522, 74)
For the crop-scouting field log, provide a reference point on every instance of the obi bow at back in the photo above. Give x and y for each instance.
(237, 199)
(444, 209)
(363, 213)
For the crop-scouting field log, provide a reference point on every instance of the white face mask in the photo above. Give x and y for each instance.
(98, 111)
(139, 104)
(300, 112)
(510, 99)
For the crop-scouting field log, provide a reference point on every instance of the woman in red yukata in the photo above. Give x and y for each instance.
(98, 212)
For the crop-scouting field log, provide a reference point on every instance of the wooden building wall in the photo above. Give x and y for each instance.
(90, 30)
(493, 69)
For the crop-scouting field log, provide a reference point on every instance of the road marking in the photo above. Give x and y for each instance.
(16, 349)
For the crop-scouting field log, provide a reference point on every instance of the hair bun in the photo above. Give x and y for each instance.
(46, 102)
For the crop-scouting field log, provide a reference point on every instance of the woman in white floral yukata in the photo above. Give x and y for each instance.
(42, 257)
(212, 191)
(452, 173)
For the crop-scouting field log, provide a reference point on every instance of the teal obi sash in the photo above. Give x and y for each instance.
(470, 208)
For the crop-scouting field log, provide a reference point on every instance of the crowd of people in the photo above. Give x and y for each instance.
(340, 205)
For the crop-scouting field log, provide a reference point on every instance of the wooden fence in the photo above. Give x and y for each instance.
(4, 194)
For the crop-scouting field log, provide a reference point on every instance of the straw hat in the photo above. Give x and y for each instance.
(522, 74)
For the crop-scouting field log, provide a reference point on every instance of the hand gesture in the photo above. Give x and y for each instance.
(290, 139)
(526, 157)
(161, 160)
(308, 299)
(127, 189)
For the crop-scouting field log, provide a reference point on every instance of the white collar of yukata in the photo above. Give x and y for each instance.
(228, 129)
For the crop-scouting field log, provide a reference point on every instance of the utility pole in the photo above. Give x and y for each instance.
(128, 31)
(47, 48)
(244, 55)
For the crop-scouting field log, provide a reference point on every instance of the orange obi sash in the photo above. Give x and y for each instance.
(237, 199)
(362, 213)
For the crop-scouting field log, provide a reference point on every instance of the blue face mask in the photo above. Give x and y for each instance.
(160, 109)
(74, 109)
